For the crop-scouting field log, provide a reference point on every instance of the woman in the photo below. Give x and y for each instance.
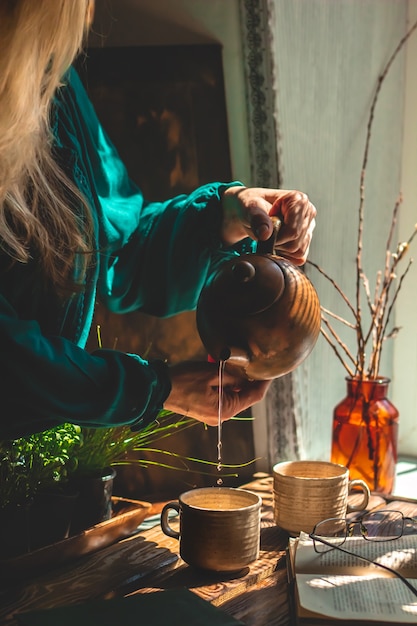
(74, 227)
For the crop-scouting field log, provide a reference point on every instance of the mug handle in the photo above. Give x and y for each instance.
(166, 528)
(366, 495)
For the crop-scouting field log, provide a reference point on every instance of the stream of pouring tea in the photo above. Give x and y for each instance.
(219, 421)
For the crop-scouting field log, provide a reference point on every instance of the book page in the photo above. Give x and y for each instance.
(399, 554)
(339, 585)
(372, 598)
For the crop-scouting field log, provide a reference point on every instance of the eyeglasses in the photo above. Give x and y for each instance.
(383, 525)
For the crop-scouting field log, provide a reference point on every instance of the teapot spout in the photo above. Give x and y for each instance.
(236, 359)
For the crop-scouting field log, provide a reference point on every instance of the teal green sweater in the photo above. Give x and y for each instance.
(150, 256)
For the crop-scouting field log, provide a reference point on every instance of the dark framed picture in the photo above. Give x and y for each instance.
(164, 109)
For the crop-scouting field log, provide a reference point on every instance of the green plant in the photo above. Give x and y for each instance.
(37, 462)
(103, 447)
(48, 459)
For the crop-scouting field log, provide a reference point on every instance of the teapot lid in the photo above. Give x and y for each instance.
(247, 285)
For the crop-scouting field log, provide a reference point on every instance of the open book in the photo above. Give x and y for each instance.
(334, 587)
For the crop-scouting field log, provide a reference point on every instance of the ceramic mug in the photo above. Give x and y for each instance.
(219, 527)
(307, 492)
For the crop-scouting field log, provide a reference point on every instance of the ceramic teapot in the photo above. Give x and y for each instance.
(259, 313)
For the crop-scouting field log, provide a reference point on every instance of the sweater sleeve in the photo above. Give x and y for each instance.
(154, 256)
(50, 380)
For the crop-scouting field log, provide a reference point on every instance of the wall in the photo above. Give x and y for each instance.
(328, 59)
(405, 355)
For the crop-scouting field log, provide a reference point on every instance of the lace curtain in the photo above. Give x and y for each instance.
(277, 426)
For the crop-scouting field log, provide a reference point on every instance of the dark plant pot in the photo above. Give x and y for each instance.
(94, 503)
(14, 533)
(50, 517)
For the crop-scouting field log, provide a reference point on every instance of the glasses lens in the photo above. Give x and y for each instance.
(332, 531)
(383, 525)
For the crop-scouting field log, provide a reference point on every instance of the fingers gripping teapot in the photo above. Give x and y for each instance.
(259, 313)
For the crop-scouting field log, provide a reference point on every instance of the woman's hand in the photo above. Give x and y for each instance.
(247, 212)
(195, 392)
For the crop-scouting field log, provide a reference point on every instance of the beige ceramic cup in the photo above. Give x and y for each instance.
(219, 527)
(307, 492)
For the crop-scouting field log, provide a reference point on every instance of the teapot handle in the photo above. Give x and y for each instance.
(268, 246)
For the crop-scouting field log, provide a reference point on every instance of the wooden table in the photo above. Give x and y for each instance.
(149, 561)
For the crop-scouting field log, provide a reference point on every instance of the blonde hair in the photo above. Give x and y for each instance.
(39, 39)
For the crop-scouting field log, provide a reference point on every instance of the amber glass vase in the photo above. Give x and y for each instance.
(365, 433)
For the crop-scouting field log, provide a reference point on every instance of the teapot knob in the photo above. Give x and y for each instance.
(243, 271)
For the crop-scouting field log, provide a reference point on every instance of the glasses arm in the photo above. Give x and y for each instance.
(364, 558)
